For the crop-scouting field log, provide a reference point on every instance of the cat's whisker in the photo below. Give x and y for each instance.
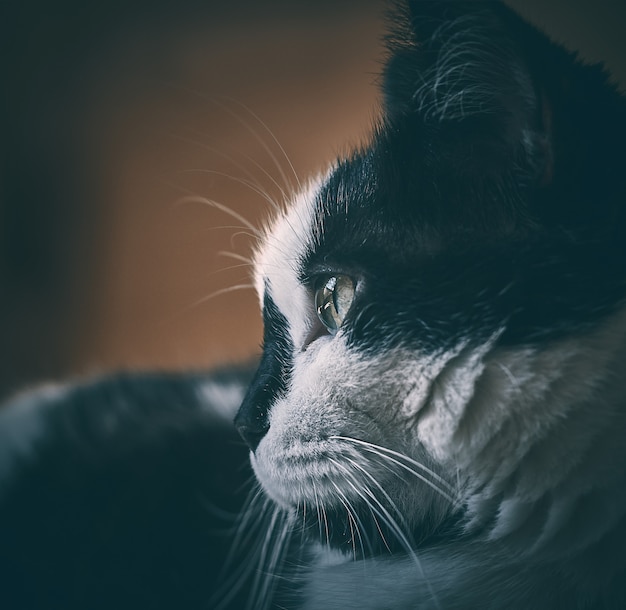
(360, 529)
(238, 257)
(352, 519)
(237, 577)
(378, 486)
(239, 166)
(326, 529)
(220, 292)
(400, 536)
(222, 106)
(255, 497)
(322, 518)
(381, 451)
(317, 509)
(271, 570)
(454, 502)
(241, 230)
(247, 183)
(222, 208)
(302, 503)
(245, 228)
(225, 269)
(359, 490)
(257, 136)
(376, 514)
(274, 138)
(364, 492)
(389, 520)
(351, 522)
(241, 525)
(283, 193)
(261, 573)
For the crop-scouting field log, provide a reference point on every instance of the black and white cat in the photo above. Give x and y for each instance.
(439, 414)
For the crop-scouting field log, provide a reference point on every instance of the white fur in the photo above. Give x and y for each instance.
(279, 257)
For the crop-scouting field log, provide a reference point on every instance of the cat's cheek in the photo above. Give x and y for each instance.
(297, 460)
(292, 458)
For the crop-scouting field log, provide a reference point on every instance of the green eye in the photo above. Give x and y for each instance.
(332, 301)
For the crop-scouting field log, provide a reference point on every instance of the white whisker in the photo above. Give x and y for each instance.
(353, 516)
(274, 138)
(364, 490)
(213, 100)
(366, 495)
(254, 180)
(238, 257)
(247, 183)
(219, 206)
(382, 451)
(264, 596)
(246, 534)
(257, 136)
(260, 584)
(228, 268)
(219, 293)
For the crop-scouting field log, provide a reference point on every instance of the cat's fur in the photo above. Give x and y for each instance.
(457, 443)
(484, 224)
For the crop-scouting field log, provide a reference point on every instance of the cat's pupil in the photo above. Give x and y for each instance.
(333, 300)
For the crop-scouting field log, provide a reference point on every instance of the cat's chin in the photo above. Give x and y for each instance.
(367, 530)
(360, 532)
(294, 481)
(361, 518)
(279, 494)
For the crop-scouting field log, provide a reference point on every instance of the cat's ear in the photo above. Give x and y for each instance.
(461, 68)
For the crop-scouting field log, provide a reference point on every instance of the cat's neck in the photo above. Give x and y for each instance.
(551, 474)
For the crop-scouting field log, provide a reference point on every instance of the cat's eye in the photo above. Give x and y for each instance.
(333, 298)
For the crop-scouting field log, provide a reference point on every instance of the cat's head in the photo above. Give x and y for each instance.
(443, 299)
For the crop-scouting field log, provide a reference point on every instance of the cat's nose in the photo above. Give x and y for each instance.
(252, 434)
(270, 380)
(252, 420)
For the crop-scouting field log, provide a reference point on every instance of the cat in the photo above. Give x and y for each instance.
(438, 415)
(441, 394)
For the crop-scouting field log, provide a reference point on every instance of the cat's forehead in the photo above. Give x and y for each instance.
(336, 214)
(287, 238)
(378, 207)
(339, 218)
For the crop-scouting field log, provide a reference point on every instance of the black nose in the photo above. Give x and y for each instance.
(252, 435)
(252, 420)
(271, 378)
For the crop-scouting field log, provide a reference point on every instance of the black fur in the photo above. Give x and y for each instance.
(271, 378)
(128, 500)
(490, 199)
(489, 196)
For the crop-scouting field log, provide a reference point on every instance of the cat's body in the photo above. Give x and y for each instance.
(439, 414)
(120, 493)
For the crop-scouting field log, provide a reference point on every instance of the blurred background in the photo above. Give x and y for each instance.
(117, 117)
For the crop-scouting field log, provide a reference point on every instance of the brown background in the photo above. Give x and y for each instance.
(112, 113)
